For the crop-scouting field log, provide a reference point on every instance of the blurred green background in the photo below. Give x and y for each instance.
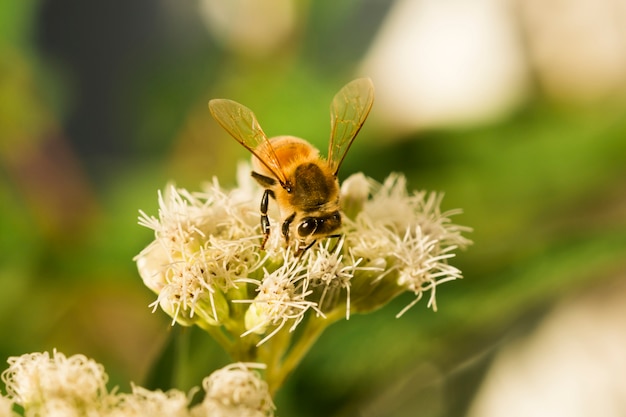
(103, 102)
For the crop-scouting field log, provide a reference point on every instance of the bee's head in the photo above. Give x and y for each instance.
(310, 228)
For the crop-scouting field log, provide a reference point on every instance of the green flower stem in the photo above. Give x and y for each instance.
(181, 351)
(314, 327)
(272, 352)
(227, 335)
(217, 333)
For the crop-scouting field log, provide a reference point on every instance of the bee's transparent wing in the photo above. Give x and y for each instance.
(348, 112)
(241, 123)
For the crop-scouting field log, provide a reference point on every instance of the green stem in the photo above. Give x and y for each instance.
(218, 335)
(181, 374)
(271, 352)
(313, 329)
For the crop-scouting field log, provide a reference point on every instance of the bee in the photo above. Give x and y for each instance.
(291, 170)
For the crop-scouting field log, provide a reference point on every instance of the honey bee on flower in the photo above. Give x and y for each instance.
(292, 172)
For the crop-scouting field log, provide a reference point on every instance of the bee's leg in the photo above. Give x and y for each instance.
(285, 227)
(265, 220)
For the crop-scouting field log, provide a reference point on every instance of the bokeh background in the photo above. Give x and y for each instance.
(516, 109)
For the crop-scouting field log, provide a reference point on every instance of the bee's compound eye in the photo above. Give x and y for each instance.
(307, 227)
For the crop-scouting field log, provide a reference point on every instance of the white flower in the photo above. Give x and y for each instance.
(53, 385)
(332, 270)
(282, 297)
(206, 261)
(203, 243)
(354, 192)
(409, 235)
(45, 385)
(235, 391)
(145, 403)
(422, 265)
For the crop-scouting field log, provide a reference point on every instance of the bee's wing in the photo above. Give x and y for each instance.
(241, 123)
(348, 112)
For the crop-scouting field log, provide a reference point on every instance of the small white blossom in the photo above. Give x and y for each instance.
(333, 270)
(422, 265)
(203, 243)
(235, 391)
(45, 385)
(54, 384)
(143, 403)
(354, 192)
(356, 187)
(409, 234)
(282, 297)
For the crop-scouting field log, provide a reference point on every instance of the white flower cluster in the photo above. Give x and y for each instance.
(207, 268)
(281, 297)
(56, 385)
(405, 234)
(205, 244)
(235, 390)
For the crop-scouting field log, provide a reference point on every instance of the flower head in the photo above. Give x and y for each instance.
(236, 391)
(204, 242)
(281, 298)
(207, 268)
(409, 237)
(54, 384)
(143, 402)
(330, 271)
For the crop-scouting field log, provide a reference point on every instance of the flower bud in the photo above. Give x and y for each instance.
(354, 192)
(211, 307)
(170, 303)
